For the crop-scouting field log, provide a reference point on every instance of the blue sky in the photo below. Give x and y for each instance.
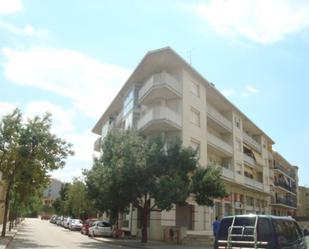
(72, 57)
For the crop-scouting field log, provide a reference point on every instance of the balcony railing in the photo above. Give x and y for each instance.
(227, 173)
(253, 183)
(249, 160)
(219, 118)
(290, 173)
(160, 79)
(252, 142)
(286, 201)
(219, 143)
(159, 113)
(286, 186)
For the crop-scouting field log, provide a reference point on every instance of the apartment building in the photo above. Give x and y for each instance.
(284, 186)
(303, 208)
(165, 95)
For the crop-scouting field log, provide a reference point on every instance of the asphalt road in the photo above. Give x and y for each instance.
(35, 233)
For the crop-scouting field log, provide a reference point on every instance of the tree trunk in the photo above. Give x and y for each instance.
(6, 208)
(145, 220)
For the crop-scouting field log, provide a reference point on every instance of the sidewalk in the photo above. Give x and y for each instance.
(149, 245)
(4, 242)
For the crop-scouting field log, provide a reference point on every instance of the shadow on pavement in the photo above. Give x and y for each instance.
(26, 243)
(95, 245)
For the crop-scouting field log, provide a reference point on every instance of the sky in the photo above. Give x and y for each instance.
(71, 57)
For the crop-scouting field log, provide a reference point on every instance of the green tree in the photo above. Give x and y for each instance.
(151, 174)
(28, 153)
(78, 201)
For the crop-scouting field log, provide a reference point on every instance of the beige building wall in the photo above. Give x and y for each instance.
(303, 208)
(284, 186)
(175, 100)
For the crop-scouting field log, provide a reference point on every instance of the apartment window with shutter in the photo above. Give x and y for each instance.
(195, 116)
(237, 122)
(195, 89)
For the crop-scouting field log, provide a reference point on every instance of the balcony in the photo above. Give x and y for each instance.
(227, 173)
(285, 186)
(285, 201)
(97, 145)
(249, 160)
(160, 85)
(251, 142)
(217, 117)
(253, 183)
(289, 173)
(159, 118)
(219, 144)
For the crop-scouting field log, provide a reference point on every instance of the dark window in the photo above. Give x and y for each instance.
(286, 232)
(264, 230)
(224, 228)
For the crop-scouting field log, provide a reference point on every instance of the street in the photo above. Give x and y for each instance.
(35, 233)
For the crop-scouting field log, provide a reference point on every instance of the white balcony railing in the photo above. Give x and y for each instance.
(253, 183)
(219, 118)
(160, 79)
(219, 143)
(249, 160)
(227, 173)
(251, 142)
(159, 113)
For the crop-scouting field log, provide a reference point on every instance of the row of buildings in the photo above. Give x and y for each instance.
(166, 95)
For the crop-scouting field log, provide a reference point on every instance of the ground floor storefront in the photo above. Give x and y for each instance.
(194, 220)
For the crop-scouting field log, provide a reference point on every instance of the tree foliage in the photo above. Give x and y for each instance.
(28, 153)
(150, 174)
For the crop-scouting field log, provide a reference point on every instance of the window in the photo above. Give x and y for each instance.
(249, 201)
(195, 116)
(129, 121)
(237, 122)
(195, 89)
(128, 102)
(264, 230)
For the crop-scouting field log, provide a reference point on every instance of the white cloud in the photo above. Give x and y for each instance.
(62, 119)
(228, 92)
(8, 7)
(89, 83)
(250, 90)
(6, 108)
(261, 21)
(27, 30)
(83, 147)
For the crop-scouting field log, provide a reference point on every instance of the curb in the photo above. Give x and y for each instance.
(9, 242)
(4, 246)
(121, 243)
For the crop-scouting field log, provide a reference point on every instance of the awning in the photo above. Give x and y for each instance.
(259, 160)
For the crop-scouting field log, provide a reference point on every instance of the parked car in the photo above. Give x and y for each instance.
(100, 228)
(75, 224)
(260, 231)
(66, 222)
(53, 219)
(59, 220)
(87, 224)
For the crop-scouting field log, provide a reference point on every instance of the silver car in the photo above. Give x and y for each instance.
(101, 228)
(75, 224)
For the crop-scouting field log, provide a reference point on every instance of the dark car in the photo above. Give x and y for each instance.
(260, 231)
(85, 228)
